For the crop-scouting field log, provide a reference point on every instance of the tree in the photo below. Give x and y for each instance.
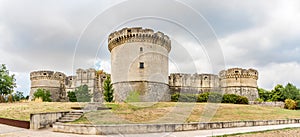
(42, 93)
(72, 96)
(7, 82)
(82, 93)
(18, 96)
(265, 95)
(277, 93)
(108, 90)
(291, 92)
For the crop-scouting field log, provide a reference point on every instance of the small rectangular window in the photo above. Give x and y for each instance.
(141, 48)
(141, 65)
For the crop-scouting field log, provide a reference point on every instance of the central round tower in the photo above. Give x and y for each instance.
(139, 64)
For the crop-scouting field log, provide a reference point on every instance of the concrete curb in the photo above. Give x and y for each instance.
(88, 129)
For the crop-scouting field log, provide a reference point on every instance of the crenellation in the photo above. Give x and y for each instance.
(139, 62)
(129, 35)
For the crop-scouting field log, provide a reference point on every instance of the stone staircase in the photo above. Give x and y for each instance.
(71, 116)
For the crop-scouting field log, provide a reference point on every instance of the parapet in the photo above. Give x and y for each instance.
(239, 73)
(138, 34)
(45, 74)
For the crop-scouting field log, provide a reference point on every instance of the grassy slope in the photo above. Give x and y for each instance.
(184, 112)
(22, 111)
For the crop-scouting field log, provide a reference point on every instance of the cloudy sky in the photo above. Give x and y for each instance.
(207, 35)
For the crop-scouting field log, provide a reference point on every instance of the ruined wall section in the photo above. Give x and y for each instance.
(193, 83)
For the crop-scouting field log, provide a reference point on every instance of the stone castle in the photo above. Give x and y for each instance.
(139, 63)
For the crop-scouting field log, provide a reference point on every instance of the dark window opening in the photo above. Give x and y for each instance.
(141, 48)
(141, 64)
(205, 78)
(129, 30)
(236, 71)
(45, 73)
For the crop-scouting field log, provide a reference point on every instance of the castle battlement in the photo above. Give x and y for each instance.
(47, 75)
(239, 73)
(138, 34)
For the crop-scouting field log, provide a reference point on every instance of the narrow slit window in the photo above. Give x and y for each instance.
(141, 48)
(141, 65)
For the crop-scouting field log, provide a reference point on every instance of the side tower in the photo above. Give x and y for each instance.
(139, 63)
(240, 81)
(49, 80)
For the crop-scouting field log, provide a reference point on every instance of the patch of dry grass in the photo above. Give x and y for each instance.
(22, 111)
(147, 112)
(173, 112)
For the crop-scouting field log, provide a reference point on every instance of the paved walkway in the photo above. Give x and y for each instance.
(8, 131)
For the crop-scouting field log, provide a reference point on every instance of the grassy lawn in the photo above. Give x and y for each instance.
(22, 111)
(147, 112)
(173, 112)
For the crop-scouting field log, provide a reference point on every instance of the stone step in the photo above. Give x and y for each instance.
(65, 120)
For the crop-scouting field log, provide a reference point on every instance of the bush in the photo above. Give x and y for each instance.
(214, 97)
(242, 100)
(203, 97)
(42, 93)
(290, 104)
(188, 98)
(298, 104)
(259, 100)
(230, 98)
(72, 96)
(175, 97)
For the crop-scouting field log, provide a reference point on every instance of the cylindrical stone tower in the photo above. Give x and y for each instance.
(240, 81)
(49, 80)
(139, 63)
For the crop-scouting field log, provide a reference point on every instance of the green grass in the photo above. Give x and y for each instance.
(148, 112)
(173, 112)
(22, 111)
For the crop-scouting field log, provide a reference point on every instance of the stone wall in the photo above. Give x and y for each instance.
(193, 83)
(149, 91)
(156, 128)
(43, 120)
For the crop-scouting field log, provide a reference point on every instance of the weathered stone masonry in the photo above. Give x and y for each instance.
(139, 63)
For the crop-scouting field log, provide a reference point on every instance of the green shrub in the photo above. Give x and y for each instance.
(242, 100)
(43, 94)
(214, 97)
(175, 97)
(188, 98)
(290, 104)
(230, 98)
(298, 104)
(259, 100)
(203, 97)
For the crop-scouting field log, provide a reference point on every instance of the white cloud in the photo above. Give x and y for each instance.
(279, 73)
